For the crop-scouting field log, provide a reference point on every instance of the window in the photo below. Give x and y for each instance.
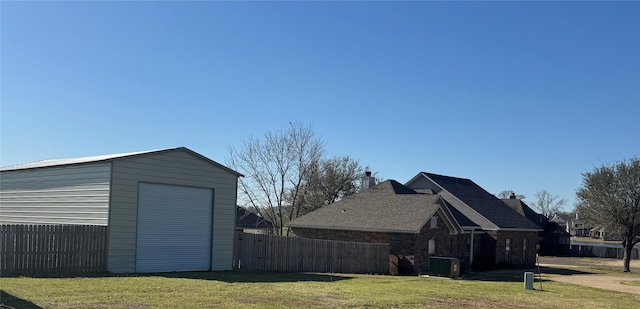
(434, 222)
(525, 257)
(432, 246)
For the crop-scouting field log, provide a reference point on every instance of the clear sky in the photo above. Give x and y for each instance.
(513, 95)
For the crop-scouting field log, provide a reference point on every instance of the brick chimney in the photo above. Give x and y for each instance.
(367, 180)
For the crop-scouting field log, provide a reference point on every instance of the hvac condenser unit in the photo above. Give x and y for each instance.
(444, 267)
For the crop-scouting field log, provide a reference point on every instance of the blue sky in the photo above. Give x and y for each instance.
(513, 95)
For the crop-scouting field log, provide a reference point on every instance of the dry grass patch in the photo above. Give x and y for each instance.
(277, 290)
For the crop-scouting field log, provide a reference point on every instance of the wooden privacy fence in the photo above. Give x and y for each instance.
(293, 254)
(602, 251)
(41, 249)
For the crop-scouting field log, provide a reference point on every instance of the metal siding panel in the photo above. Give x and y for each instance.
(223, 230)
(57, 195)
(174, 228)
(127, 173)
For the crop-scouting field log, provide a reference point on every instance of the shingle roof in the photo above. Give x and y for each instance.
(520, 207)
(483, 202)
(105, 158)
(460, 217)
(249, 220)
(387, 207)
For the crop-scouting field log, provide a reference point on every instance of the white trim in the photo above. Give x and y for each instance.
(471, 227)
(452, 228)
(519, 230)
(449, 216)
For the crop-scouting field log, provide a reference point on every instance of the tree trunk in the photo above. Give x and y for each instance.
(628, 248)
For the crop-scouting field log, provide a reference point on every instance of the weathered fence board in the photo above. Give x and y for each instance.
(293, 254)
(602, 251)
(41, 249)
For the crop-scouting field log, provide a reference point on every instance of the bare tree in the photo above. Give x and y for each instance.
(610, 196)
(547, 204)
(276, 168)
(504, 194)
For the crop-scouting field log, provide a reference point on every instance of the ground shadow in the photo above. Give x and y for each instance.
(517, 275)
(234, 276)
(564, 271)
(9, 301)
(224, 276)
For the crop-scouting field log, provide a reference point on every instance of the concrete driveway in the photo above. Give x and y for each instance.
(606, 282)
(600, 281)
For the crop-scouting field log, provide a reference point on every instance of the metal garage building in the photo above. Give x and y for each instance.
(167, 210)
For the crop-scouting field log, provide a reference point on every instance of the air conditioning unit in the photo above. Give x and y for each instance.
(444, 267)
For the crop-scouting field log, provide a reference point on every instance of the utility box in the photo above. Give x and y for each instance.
(444, 267)
(528, 280)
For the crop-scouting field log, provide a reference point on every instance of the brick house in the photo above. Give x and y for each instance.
(431, 215)
(553, 239)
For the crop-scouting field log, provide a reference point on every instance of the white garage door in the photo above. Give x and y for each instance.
(174, 228)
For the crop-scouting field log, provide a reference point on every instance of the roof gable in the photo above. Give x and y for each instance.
(478, 205)
(460, 217)
(109, 158)
(249, 220)
(388, 207)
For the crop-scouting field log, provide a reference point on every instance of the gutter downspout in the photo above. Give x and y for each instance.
(471, 250)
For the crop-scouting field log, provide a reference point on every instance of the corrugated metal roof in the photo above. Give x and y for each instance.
(101, 158)
(71, 161)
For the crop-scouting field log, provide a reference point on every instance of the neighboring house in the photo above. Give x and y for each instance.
(462, 219)
(577, 227)
(600, 232)
(167, 210)
(573, 225)
(249, 222)
(559, 220)
(553, 240)
(389, 213)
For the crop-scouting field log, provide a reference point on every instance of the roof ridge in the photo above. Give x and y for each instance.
(108, 158)
(446, 176)
(91, 158)
(398, 188)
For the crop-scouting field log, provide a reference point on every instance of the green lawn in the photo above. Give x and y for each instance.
(279, 290)
(635, 282)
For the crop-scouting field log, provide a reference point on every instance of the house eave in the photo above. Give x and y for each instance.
(471, 227)
(359, 229)
(519, 230)
(477, 228)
